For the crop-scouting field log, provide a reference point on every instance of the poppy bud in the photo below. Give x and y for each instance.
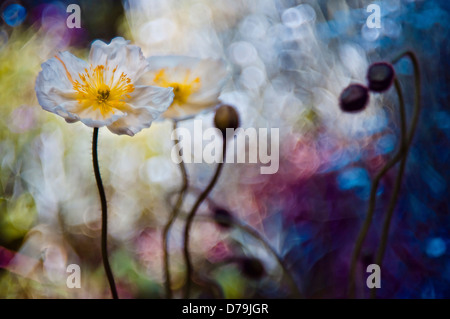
(354, 98)
(252, 268)
(380, 76)
(226, 117)
(223, 218)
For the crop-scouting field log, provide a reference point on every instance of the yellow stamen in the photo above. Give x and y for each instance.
(96, 92)
(182, 90)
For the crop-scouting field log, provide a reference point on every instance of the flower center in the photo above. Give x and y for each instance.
(181, 90)
(100, 92)
(103, 93)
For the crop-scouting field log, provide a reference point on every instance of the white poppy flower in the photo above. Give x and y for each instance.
(103, 92)
(197, 83)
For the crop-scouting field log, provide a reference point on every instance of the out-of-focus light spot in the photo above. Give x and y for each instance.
(352, 57)
(391, 28)
(436, 247)
(386, 144)
(53, 22)
(375, 124)
(295, 17)
(14, 14)
(157, 30)
(391, 5)
(355, 178)
(252, 77)
(342, 157)
(305, 158)
(404, 66)
(442, 119)
(199, 14)
(243, 53)
(159, 170)
(370, 34)
(55, 259)
(287, 61)
(253, 27)
(434, 180)
(22, 119)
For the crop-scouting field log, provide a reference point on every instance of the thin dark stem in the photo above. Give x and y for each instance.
(255, 234)
(372, 199)
(173, 215)
(418, 90)
(367, 222)
(388, 218)
(190, 219)
(393, 202)
(104, 239)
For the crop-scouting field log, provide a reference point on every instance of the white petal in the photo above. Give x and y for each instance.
(157, 97)
(119, 53)
(55, 93)
(95, 119)
(147, 103)
(213, 74)
(54, 83)
(134, 122)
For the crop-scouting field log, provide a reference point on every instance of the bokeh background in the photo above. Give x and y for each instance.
(289, 61)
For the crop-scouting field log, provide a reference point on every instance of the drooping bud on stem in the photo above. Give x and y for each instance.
(354, 98)
(226, 117)
(380, 76)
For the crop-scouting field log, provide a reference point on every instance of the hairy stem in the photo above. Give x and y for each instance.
(173, 216)
(104, 239)
(373, 192)
(392, 204)
(402, 152)
(190, 219)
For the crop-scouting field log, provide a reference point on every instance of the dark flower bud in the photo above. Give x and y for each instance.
(223, 218)
(354, 98)
(252, 268)
(226, 117)
(380, 76)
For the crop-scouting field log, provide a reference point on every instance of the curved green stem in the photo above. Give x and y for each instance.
(173, 215)
(406, 141)
(190, 219)
(373, 191)
(392, 204)
(104, 239)
(418, 90)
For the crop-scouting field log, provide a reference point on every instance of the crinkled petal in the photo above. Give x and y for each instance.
(94, 118)
(147, 95)
(119, 53)
(213, 74)
(146, 104)
(55, 93)
(54, 87)
(71, 113)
